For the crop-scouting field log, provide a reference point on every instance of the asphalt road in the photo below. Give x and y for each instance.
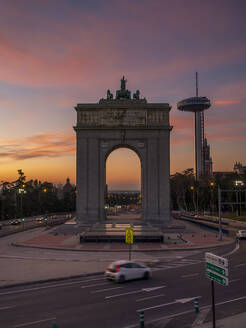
(95, 302)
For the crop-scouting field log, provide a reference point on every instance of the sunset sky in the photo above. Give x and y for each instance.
(57, 53)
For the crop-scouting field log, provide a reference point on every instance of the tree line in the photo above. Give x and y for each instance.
(24, 198)
(189, 194)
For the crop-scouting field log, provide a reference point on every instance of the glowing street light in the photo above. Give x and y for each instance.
(212, 195)
(192, 188)
(238, 184)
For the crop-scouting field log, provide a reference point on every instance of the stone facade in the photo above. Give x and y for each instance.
(117, 123)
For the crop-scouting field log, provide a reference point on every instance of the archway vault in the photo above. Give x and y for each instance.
(123, 123)
(123, 167)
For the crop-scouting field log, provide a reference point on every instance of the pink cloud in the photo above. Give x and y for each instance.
(40, 145)
(226, 102)
(235, 90)
(89, 50)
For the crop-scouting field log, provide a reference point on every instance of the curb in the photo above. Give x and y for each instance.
(124, 250)
(27, 283)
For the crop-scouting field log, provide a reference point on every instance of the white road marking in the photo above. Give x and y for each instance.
(163, 267)
(190, 261)
(33, 322)
(118, 295)
(190, 275)
(239, 265)
(234, 300)
(182, 300)
(186, 312)
(6, 307)
(147, 298)
(233, 251)
(95, 285)
(136, 291)
(234, 280)
(45, 287)
(104, 290)
(151, 289)
(175, 264)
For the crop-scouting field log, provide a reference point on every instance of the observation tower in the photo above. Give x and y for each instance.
(197, 105)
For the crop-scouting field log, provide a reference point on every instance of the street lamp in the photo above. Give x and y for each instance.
(21, 191)
(212, 195)
(238, 184)
(42, 190)
(219, 208)
(192, 188)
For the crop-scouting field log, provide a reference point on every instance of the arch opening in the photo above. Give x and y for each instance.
(123, 184)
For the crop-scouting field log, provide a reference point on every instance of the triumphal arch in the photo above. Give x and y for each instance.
(129, 122)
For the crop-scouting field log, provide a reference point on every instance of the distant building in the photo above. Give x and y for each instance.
(239, 168)
(68, 188)
(59, 188)
(222, 173)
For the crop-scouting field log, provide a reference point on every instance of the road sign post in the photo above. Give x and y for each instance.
(216, 270)
(129, 240)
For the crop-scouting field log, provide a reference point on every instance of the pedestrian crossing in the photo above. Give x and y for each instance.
(176, 264)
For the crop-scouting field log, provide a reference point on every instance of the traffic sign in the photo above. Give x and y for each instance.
(129, 236)
(217, 268)
(219, 279)
(217, 260)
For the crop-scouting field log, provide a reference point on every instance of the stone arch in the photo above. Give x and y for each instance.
(129, 123)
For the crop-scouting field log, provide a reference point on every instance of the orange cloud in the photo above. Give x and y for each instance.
(226, 102)
(40, 145)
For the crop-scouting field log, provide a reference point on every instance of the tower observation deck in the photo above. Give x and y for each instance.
(197, 105)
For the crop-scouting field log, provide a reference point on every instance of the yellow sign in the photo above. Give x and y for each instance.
(129, 236)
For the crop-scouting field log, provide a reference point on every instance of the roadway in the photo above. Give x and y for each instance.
(167, 298)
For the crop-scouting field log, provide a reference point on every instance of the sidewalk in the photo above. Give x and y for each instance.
(237, 321)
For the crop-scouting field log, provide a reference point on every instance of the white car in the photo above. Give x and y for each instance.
(241, 234)
(121, 271)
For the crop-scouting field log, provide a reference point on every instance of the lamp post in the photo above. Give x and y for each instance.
(192, 188)
(212, 196)
(42, 190)
(219, 206)
(21, 191)
(238, 184)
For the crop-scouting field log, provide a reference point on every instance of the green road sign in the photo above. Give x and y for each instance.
(217, 269)
(219, 279)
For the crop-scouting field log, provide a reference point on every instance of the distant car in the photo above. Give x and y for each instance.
(15, 222)
(120, 271)
(241, 234)
(39, 220)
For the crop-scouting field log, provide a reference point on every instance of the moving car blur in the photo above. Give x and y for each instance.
(122, 270)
